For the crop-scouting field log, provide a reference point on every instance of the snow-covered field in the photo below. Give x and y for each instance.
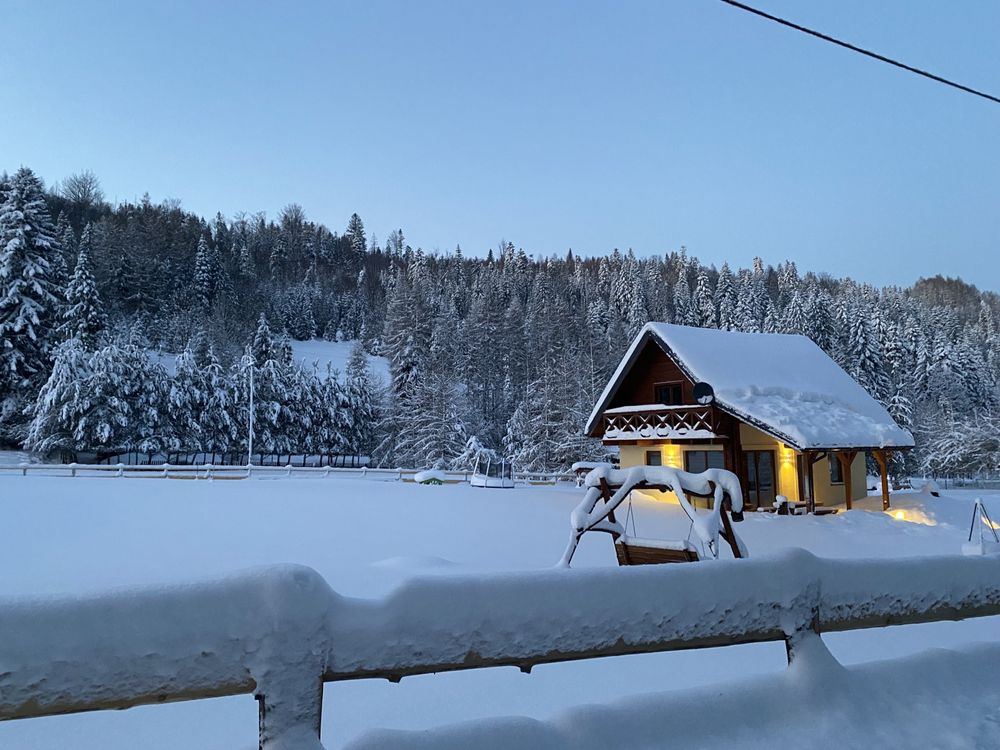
(320, 351)
(65, 535)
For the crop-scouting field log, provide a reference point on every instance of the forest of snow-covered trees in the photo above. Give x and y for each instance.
(504, 353)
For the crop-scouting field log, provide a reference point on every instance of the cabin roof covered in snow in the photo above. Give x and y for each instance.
(783, 384)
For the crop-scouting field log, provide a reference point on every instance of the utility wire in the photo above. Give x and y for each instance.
(860, 50)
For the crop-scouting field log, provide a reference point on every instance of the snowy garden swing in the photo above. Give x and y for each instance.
(614, 486)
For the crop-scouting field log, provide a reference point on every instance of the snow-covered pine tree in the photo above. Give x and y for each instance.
(704, 302)
(246, 265)
(406, 341)
(186, 397)
(127, 396)
(433, 431)
(748, 315)
(83, 316)
(205, 275)
(29, 300)
(298, 314)
(725, 299)
(274, 421)
(864, 359)
(62, 402)
(683, 308)
(355, 234)
(794, 319)
(363, 399)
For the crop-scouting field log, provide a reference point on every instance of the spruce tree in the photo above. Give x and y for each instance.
(362, 398)
(29, 300)
(725, 299)
(704, 304)
(205, 275)
(62, 402)
(83, 317)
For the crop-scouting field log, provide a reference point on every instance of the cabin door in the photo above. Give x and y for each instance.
(761, 486)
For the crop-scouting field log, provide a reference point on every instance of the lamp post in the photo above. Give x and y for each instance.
(249, 363)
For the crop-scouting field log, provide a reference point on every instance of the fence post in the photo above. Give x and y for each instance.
(290, 717)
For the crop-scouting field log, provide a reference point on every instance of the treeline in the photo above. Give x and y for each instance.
(505, 353)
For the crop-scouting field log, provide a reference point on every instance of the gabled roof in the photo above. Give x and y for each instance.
(783, 384)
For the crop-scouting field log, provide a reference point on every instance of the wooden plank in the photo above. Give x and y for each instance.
(637, 554)
(606, 494)
(811, 457)
(882, 457)
(846, 459)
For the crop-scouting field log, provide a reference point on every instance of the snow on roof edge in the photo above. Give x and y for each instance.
(659, 332)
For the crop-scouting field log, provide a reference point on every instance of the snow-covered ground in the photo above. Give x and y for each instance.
(66, 535)
(334, 353)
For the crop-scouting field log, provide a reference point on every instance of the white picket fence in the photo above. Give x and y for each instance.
(209, 471)
(281, 633)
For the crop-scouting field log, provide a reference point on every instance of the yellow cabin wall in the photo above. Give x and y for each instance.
(833, 494)
(827, 493)
(753, 439)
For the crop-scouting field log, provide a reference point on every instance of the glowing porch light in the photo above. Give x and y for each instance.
(672, 456)
(911, 515)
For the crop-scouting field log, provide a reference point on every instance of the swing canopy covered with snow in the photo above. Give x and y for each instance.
(614, 486)
(492, 471)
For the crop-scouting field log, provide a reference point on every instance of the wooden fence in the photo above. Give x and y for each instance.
(280, 633)
(227, 471)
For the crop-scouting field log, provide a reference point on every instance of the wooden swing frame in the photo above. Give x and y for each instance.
(647, 552)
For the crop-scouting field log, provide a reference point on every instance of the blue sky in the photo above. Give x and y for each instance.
(554, 125)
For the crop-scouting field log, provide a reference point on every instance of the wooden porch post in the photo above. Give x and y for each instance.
(882, 456)
(846, 459)
(809, 461)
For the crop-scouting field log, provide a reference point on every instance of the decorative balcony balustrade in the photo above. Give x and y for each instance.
(659, 422)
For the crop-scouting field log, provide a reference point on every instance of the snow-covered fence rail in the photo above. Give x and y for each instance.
(229, 471)
(280, 633)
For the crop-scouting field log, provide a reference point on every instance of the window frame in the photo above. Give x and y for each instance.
(834, 461)
(659, 457)
(678, 384)
(705, 451)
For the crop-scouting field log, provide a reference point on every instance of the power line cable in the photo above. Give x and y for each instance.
(861, 50)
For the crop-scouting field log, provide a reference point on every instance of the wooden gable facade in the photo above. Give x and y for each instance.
(652, 416)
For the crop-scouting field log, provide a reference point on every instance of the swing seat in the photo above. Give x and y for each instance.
(635, 551)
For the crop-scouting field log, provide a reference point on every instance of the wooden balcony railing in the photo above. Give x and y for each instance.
(658, 422)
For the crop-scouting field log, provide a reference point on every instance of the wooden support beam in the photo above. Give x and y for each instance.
(846, 459)
(728, 534)
(809, 461)
(882, 456)
(606, 495)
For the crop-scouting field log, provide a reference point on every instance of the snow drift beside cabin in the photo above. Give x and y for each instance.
(783, 382)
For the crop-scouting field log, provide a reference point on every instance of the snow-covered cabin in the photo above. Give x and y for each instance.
(781, 414)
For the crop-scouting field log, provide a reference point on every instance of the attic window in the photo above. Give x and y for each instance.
(669, 394)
